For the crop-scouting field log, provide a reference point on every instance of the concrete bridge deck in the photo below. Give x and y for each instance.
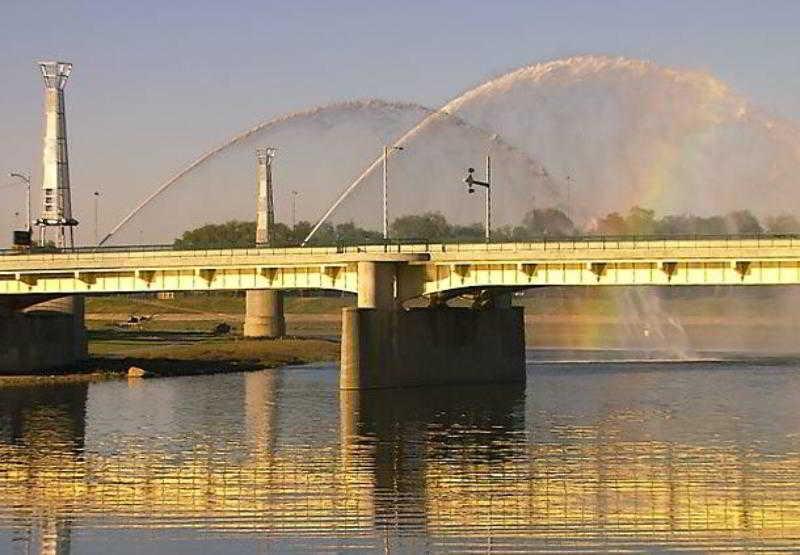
(422, 268)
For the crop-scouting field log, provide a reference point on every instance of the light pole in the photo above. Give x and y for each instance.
(386, 150)
(27, 180)
(471, 182)
(569, 196)
(96, 219)
(294, 208)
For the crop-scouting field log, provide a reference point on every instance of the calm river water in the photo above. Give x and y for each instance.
(655, 455)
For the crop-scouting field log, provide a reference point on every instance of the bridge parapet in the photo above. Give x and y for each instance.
(418, 269)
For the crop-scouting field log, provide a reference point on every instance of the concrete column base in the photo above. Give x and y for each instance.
(264, 314)
(46, 336)
(398, 348)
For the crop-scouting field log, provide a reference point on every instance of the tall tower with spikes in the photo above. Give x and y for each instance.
(265, 207)
(56, 200)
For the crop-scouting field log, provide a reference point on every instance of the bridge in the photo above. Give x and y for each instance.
(418, 269)
(383, 344)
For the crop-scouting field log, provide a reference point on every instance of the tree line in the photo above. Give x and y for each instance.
(536, 224)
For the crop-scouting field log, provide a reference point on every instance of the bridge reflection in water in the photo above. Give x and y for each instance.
(617, 457)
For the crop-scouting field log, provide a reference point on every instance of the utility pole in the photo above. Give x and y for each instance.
(569, 196)
(294, 209)
(471, 182)
(96, 216)
(386, 150)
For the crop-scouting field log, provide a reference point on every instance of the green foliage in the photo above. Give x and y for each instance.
(545, 221)
(236, 234)
(233, 234)
(536, 224)
(783, 223)
(743, 221)
(431, 226)
(640, 221)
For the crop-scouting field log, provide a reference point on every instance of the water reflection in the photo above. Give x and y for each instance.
(45, 427)
(602, 456)
(398, 436)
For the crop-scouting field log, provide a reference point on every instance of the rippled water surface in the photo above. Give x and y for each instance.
(656, 455)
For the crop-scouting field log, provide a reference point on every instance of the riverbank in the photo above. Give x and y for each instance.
(165, 353)
(174, 336)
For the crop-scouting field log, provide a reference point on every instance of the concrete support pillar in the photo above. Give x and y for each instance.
(376, 285)
(73, 307)
(42, 337)
(264, 314)
(445, 346)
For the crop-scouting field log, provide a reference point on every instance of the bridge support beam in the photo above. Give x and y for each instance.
(264, 317)
(431, 346)
(42, 337)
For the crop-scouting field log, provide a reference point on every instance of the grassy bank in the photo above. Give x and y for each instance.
(170, 352)
(177, 337)
(210, 305)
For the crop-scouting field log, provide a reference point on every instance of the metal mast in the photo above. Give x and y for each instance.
(56, 199)
(265, 215)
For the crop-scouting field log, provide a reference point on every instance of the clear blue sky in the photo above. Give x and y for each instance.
(157, 82)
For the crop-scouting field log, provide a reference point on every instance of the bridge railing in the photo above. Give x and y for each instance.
(585, 242)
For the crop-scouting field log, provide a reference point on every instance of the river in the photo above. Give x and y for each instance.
(698, 455)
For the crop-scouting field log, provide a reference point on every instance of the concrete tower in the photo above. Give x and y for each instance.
(264, 309)
(265, 215)
(56, 200)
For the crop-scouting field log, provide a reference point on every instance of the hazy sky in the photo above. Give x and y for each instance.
(156, 83)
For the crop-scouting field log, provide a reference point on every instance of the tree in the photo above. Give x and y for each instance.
(469, 233)
(348, 233)
(675, 225)
(743, 221)
(431, 226)
(640, 221)
(233, 234)
(783, 223)
(547, 221)
(611, 224)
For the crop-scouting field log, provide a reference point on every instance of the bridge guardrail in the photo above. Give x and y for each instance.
(411, 246)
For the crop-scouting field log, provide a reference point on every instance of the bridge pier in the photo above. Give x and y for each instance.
(43, 336)
(376, 285)
(264, 317)
(386, 346)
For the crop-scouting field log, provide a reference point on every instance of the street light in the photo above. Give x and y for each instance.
(96, 220)
(386, 150)
(471, 182)
(27, 180)
(569, 195)
(294, 202)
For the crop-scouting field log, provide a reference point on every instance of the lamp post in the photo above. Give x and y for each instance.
(569, 196)
(294, 208)
(386, 150)
(27, 180)
(471, 182)
(96, 195)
